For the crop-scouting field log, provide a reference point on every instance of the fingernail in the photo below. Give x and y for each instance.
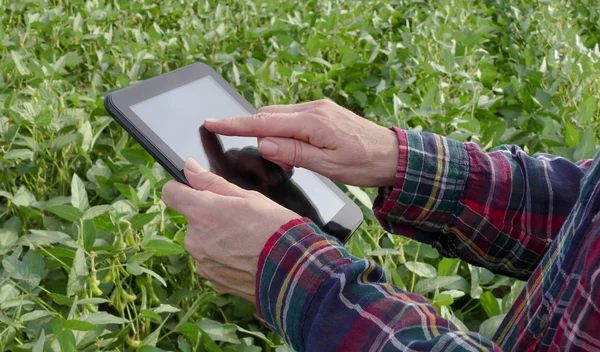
(267, 147)
(211, 120)
(193, 166)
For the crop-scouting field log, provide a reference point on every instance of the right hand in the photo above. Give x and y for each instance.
(320, 136)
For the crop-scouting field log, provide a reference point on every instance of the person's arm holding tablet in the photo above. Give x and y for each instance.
(308, 288)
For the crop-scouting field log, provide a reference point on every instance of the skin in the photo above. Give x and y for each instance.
(228, 226)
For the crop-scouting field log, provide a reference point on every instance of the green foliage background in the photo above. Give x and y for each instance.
(92, 260)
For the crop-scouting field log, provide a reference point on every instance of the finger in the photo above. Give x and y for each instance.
(291, 152)
(203, 180)
(290, 107)
(213, 148)
(298, 125)
(284, 166)
(183, 199)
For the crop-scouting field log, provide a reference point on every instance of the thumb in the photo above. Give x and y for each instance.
(291, 152)
(204, 180)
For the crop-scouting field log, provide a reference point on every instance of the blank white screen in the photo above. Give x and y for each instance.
(176, 116)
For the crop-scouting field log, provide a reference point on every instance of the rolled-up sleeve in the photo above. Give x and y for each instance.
(500, 210)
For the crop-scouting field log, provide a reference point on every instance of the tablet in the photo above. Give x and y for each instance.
(165, 115)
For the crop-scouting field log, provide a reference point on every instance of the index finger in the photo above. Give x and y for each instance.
(291, 125)
(287, 108)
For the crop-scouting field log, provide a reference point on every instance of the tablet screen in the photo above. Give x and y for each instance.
(175, 116)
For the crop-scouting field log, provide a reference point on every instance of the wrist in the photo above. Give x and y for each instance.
(385, 160)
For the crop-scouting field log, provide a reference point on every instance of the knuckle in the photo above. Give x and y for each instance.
(315, 117)
(322, 102)
(295, 154)
(254, 194)
(214, 184)
(261, 116)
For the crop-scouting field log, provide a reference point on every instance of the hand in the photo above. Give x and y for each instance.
(227, 227)
(249, 170)
(323, 137)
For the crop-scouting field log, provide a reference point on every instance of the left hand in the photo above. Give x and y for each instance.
(227, 227)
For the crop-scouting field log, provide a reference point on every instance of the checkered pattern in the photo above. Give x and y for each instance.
(531, 217)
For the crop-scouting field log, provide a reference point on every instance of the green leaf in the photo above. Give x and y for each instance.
(509, 299)
(421, 269)
(380, 252)
(135, 269)
(95, 300)
(587, 110)
(86, 132)
(41, 341)
(89, 234)
(96, 211)
(66, 341)
(587, 146)
(45, 238)
(485, 276)
(257, 334)
(61, 299)
(489, 327)
(152, 339)
(129, 193)
(19, 154)
(443, 300)
(102, 318)
(162, 247)
(572, 135)
(139, 220)
(218, 331)
(208, 342)
(23, 197)
(453, 293)
(8, 239)
(361, 195)
(78, 273)
(78, 325)
(166, 308)
(475, 289)
(349, 57)
(427, 285)
(79, 197)
(14, 267)
(21, 68)
(36, 314)
(148, 314)
(62, 141)
(60, 200)
(448, 266)
(489, 304)
(67, 212)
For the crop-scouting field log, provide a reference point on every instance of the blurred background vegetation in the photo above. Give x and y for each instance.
(92, 260)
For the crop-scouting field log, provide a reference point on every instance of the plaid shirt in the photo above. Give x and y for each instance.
(536, 218)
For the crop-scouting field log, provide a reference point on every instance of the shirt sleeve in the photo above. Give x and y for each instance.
(320, 298)
(500, 210)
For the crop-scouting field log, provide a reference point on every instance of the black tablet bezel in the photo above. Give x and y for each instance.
(118, 104)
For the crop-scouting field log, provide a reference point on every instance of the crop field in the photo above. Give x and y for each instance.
(92, 260)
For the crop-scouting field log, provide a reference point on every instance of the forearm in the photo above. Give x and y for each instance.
(500, 209)
(318, 297)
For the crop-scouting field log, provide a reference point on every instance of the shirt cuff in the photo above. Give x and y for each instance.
(287, 278)
(430, 180)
